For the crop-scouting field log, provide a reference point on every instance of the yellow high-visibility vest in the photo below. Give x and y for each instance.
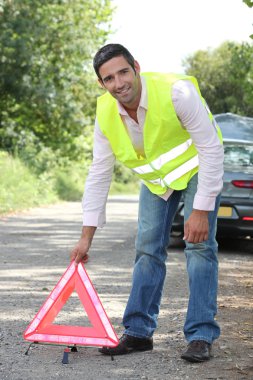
(171, 158)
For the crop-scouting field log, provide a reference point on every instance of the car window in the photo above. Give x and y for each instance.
(235, 127)
(238, 155)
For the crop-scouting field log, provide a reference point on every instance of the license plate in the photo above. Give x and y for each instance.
(225, 211)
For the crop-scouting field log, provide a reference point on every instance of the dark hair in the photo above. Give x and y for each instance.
(108, 52)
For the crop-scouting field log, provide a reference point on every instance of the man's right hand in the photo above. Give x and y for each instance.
(80, 251)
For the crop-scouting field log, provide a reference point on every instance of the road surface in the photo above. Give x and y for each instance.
(35, 248)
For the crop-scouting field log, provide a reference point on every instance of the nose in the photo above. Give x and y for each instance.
(118, 82)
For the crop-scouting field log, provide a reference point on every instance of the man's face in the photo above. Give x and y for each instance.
(120, 79)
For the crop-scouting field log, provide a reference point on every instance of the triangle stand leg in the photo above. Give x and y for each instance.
(65, 359)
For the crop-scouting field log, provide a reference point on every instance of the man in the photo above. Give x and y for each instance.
(159, 126)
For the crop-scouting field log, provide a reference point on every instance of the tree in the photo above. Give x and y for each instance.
(225, 76)
(249, 3)
(47, 89)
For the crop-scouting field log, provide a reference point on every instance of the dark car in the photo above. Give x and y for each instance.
(235, 217)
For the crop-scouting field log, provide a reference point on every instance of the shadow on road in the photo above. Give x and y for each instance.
(240, 246)
(226, 245)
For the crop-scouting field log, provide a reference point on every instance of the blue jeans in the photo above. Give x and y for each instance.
(154, 224)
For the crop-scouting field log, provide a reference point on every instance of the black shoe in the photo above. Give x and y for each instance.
(197, 351)
(128, 344)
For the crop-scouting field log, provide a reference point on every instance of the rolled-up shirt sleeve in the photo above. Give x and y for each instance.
(98, 181)
(194, 118)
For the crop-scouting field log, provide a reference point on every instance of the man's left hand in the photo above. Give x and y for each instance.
(196, 227)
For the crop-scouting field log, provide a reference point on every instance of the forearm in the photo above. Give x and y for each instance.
(98, 181)
(88, 233)
(96, 193)
(210, 178)
(80, 251)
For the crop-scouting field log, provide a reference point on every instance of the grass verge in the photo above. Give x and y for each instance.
(20, 188)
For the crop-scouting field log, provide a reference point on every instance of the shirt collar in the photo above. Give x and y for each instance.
(143, 100)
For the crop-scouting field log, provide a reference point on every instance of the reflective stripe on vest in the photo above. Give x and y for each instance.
(177, 173)
(158, 163)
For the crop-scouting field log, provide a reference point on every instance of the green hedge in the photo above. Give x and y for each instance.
(24, 185)
(19, 188)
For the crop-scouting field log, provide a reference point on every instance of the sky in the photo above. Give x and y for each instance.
(161, 33)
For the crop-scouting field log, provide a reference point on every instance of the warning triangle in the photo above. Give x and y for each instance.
(42, 329)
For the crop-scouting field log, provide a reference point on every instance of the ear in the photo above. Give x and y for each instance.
(101, 84)
(137, 67)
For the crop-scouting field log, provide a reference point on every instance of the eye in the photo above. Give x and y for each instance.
(107, 79)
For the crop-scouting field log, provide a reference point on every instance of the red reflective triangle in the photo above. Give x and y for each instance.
(41, 329)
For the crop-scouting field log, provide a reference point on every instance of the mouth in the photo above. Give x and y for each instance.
(123, 92)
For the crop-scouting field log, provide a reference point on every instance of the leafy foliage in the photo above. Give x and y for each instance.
(249, 3)
(225, 77)
(20, 188)
(47, 86)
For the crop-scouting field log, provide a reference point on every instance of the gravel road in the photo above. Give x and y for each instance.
(35, 247)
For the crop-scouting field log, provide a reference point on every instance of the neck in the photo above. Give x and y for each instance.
(131, 108)
(132, 113)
